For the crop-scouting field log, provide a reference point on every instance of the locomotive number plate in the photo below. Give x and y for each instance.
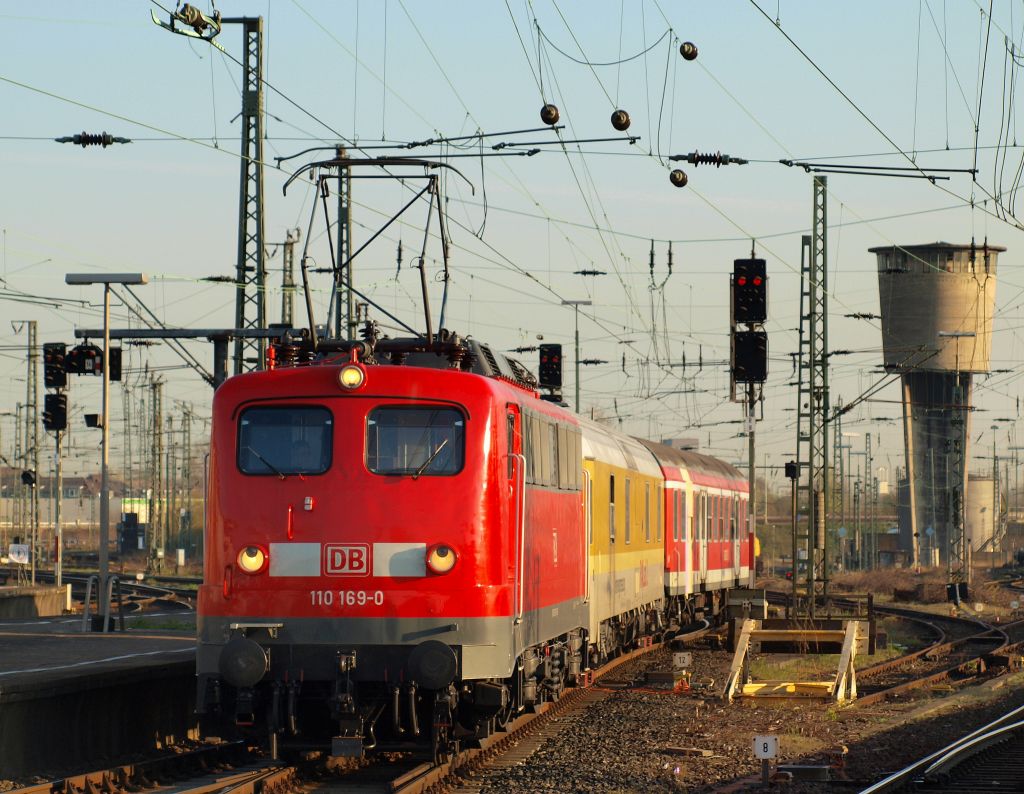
(346, 598)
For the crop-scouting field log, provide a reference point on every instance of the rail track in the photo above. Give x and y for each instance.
(136, 594)
(961, 650)
(958, 654)
(988, 759)
(238, 768)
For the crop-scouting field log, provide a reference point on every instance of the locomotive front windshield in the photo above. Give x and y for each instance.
(416, 441)
(285, 440)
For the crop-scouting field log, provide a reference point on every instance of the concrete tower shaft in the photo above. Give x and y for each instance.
(931, 297)
(936, 304)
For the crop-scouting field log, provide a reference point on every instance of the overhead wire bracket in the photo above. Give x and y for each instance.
(190, 21)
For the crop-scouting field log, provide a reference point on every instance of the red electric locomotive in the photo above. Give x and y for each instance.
(380, 565)
(406, 545)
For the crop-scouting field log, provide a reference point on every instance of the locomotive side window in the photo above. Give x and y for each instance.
(541, 457)
(282, 440)
(510, 426)
(416, 441)
(564, 460)
(553, 466)
(528, 448)
(576, 438)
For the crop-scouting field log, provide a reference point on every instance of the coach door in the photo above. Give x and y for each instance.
(703, 522)
(516, 507)
(738, 531)
(685, 534)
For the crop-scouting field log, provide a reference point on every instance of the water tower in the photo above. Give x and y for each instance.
(936, 303)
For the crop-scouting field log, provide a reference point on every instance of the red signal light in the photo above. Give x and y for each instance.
(757, 281)
(741, 281)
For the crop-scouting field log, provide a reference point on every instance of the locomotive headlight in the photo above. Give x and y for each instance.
(351, 376)
(252, 559)
(441, 558)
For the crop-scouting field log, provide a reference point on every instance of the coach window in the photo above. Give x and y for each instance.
(647, 512)
(735, 517)
(282, 440)
(611, 507)
(629, 516)
(675, 515)
(681, 515)
(417, 441)
(709, 518)
(659, 498)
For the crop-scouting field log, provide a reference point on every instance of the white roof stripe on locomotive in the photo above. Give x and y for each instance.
(606, 445)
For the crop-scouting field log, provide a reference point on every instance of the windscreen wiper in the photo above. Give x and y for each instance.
(267, 463)
(429, 460)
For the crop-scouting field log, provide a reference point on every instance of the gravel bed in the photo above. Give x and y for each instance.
(625, 742)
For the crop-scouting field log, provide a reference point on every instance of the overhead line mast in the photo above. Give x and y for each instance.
(250, 267)
(811, 540)
(250, 272)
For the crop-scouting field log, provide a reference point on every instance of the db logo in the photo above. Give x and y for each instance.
(347, 560)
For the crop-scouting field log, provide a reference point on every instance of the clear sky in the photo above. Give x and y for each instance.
(915, 75)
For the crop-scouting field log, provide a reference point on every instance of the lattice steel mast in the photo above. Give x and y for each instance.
(811, 539)
(250, 273)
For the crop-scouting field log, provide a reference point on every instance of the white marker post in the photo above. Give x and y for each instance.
(766, 748)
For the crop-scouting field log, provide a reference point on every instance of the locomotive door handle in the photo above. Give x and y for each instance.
(291, 522)
(520, 532)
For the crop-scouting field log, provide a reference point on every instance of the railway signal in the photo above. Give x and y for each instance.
(550, 370)
(749, 291)
(55, 412)
(54, 375)
(84, 359)
(750, 356)
(115, 363)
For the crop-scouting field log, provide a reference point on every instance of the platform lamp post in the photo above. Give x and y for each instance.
(576, 307)
(106, 279)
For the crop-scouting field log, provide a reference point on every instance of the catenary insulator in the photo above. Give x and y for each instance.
(84, 139)
(549, 114)
(717, 159)
(678, 178)
(620, 120)
(688, 50)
